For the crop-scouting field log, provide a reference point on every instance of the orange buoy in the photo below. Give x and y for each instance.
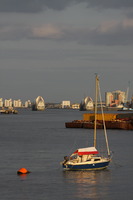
(23, 171)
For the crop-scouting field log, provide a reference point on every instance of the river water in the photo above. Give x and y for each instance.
(38, 141)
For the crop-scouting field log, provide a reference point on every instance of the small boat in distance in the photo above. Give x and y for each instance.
(9, 110)
(88, 158)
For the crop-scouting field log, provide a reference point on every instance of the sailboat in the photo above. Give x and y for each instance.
(88, 158)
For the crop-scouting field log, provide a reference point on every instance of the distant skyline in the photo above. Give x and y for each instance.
(54, 48)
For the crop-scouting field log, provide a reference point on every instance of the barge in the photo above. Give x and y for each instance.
(112, 121)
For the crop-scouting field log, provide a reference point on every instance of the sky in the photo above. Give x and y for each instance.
(54, 48)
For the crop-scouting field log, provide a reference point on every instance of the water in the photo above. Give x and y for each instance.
(38, 141)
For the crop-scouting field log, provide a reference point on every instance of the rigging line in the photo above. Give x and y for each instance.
(95, 123)
(72, 147)
(105, 132)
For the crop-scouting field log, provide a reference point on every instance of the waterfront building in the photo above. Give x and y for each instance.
(1, 102)
(27, 104)
(115, 98)
(108, 98)
(65, 104)
(17, 103)
(8, 103)
(75, 106)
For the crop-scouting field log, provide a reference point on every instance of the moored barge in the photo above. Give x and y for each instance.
(112, 121)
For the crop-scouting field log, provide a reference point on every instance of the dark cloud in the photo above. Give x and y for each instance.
(20, 5)
(39, 5)
(32, 5)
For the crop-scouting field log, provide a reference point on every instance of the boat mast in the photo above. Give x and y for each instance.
(105, 132)
(96, 96)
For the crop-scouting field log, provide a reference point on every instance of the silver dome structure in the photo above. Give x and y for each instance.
(87, 104)
(39, 104)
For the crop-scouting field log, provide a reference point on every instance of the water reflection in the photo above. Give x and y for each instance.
(89, 184)
(23, 176)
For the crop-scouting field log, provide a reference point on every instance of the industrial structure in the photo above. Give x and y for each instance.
(87, 104)
(39, 104)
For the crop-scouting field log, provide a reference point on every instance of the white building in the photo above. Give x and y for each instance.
(17, 103)
(108, 98)
(27, 104)
(65, 104)
(8, 103)
(1, 102)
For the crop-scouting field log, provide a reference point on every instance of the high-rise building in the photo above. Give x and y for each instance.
(115, 98)
(1, 102)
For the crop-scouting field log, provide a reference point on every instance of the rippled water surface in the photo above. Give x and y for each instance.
(38, 141)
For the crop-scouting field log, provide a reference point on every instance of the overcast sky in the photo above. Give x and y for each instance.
(53, 48)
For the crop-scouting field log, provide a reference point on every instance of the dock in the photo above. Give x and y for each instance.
(8, 111)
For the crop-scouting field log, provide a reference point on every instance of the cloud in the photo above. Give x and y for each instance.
(48, 31)
(13, 32)
(113, 4)
(129, 13)
(34, 6)
(107, 33)
(113, 33)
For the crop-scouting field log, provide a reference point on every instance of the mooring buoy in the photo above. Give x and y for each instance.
(23, 171)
